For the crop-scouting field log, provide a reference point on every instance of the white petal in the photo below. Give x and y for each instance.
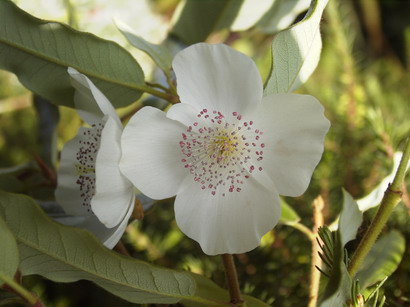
(294, 128)
(90, 103)
(112, 190)
(186, 114)
(231, 224)
(68, 193)
(217, 77)
(151, 157)
(108, 236)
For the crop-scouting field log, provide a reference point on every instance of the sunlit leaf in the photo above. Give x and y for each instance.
(193, 21)
(281, 14)
(382, 260)
(39, 52)
(289, 216)
(296, 52)
(374, 198)
(9, 255)
(350, 219)
(160, 54)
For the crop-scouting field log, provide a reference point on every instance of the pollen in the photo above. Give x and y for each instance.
(85, 165)
(221, 152)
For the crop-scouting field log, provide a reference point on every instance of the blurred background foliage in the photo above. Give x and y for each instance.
(362, 80)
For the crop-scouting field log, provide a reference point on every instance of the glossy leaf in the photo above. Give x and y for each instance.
(296, 52)
(159, 53)
(39, 52)
(9, 255)
(68, 254)
(382, 260)
(195, 20)
(350, 219)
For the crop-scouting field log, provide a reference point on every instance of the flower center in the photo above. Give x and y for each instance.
(221, 152)
(86, 158)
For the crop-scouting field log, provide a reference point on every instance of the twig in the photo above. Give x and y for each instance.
(391, 198)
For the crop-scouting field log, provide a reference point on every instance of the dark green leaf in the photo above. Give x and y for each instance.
(207, 289)
(199, 18)
(382, 260)
(9, 255)
(39, 52)
(10, 183)
(68, 254)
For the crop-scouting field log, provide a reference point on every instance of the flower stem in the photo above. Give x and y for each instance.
(391, 198)
(232, 280)
(166, 96)
(12, 285)
(318, 221)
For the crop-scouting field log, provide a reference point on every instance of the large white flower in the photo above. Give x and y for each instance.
(90, 183)
(225, 151)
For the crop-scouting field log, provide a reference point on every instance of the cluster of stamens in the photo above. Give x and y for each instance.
(85, 166)
(221, 152)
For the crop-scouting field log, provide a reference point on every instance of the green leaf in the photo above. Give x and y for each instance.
(194, 20)
(289, 216)
(296, 52)
(207, 289)
(382, 260)
(10, 183)
(159, 53)
(39, 52)
(68, 254)
(350, 219)
(9, 254)
(281, 14)
(338, 288)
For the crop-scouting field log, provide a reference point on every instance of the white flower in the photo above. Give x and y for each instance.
(90, 183)
(225, 151)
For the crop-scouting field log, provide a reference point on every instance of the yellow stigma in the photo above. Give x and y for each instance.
(222, 147)
(81, 170)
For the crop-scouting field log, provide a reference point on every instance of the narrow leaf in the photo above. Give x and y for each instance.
(338, 288)
(68, 254)
(9, 255)
(39, 52)
(296, 52)
(350, 219)
(382, 260)
(159, 53)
